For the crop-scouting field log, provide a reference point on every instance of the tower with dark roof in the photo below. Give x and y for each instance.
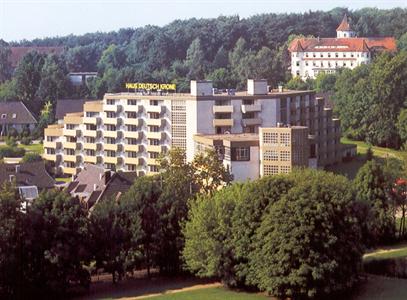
(344, 29)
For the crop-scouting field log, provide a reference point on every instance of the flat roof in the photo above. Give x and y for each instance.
(229, 140)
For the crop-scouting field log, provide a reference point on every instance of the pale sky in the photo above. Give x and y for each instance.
(29, 19)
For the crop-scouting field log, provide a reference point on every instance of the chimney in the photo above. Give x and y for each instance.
(201, 88)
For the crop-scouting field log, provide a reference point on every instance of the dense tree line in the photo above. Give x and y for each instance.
(54, 243)
(227, 50)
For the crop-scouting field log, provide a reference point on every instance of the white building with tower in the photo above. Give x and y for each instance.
(311, 56)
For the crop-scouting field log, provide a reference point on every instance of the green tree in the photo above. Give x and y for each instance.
(296, 83)
(56, 243)
(373, 192)
(5, 64)
(46, 118)
(402, 42)
(325, 82)
(28, 76)
(402, 126)
(114, 234)
(54, 83)
(11, 243)
(195, 61)
(142, 201)
(209, 172)
(308, 243)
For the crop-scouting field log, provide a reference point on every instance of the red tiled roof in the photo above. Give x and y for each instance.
(343, 44)
(344, 26)
(17, 53)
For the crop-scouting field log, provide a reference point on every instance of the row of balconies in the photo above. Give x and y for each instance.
(229, 108)
(230, 122)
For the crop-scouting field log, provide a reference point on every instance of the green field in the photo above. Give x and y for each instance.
(350, 169)
(395, 251)
(37, 148)
(218, 293)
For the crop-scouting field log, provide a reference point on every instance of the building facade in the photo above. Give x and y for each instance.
(311, 56)
(128, 131)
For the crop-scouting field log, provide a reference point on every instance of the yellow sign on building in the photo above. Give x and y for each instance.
(151, 86)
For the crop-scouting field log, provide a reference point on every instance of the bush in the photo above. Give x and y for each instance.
(11, 141)
(25, 140)
(31, 157)
(11, 152)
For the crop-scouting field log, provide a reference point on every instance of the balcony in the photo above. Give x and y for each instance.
(90, 133)
(90, 120)
(132, 160)
(70, 158)
(111, 121)
(155, 122)
(155, 135)
(222, 109)
(108, 133)
(90, 159)
(91, 146)
(70, 145)
(69, 132)
(223, 122)
(110, 160)
(155, 109)
(51, 157)
(50, 144)
(154, 148)
(132, 121)
(251, 108)
(133, 134)
(109, 107)
(112, 147)
(133, 108)
(135, 148)
(152, 161)
(71, 171)
(251, 122)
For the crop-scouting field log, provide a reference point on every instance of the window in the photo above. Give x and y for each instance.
(153, 168)
(90, 152)
(270, 170)
(131, 167)
(132, 154)
(69, 151)
(241, 154)
(91, 114)
(131, 128)
(131, 102)
(90, 127)
(154, 142)
(110, 153)
(154, 128)
(89, 140)
(297, 63)
(153, 154)
(285, 139)
(3, 116)
(154, 115)
(110, 127)
(132, 115)
(111, 114)
(131, 141)
(154, 102)
(285, 169)
(270, 155)
(110, 167)
(110, 101)
(110, 140)
(270, 138)
(285, 155)
(50, 138)
(298, 73)
(336, 54)
(70, 126)
(50, 151)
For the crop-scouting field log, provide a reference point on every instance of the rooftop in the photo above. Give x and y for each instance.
(15, 112)
(66, 106)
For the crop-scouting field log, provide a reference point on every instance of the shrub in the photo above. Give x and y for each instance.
(31, 157)
(11, 141)
(25, 140)
(11, 152)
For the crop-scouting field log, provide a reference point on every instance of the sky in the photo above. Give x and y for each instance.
(29, 19)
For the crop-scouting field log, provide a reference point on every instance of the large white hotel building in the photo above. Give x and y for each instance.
(311, 56)
(256, 132)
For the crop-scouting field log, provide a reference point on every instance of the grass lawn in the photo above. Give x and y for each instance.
(350, 169)
(218, 293)
(394, 251)
(64, 179)
(37, 148)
